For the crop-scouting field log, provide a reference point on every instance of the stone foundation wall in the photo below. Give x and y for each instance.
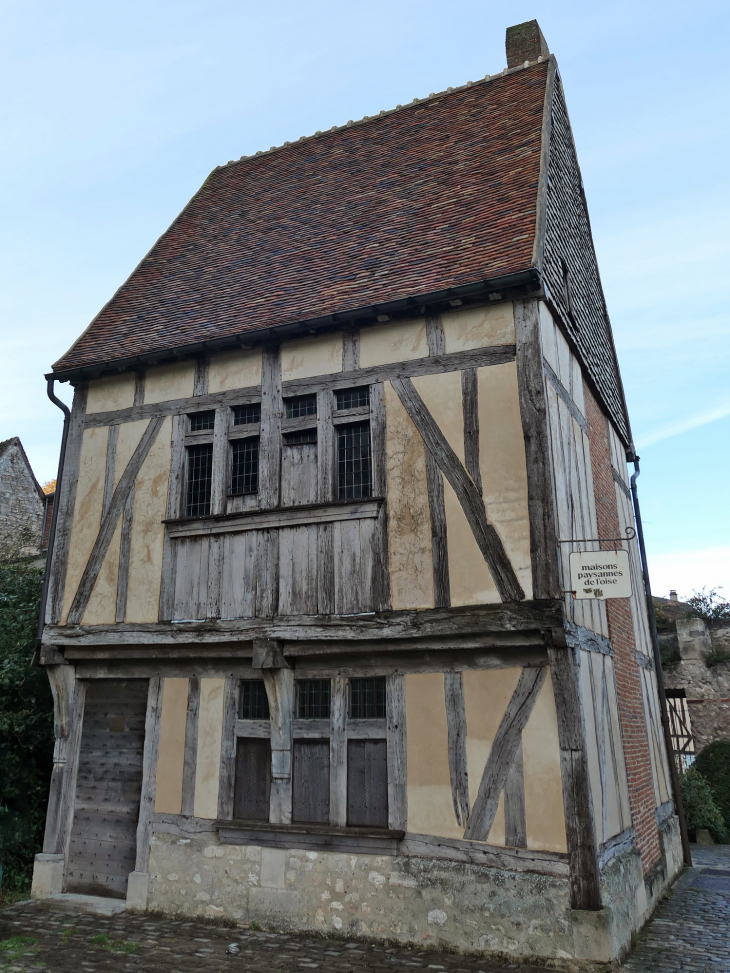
(410, 900)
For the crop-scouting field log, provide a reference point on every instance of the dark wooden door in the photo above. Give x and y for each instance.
(108, 787)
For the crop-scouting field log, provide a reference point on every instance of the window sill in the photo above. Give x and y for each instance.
(310, 837)
(320, 513)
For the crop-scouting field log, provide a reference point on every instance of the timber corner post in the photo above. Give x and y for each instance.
(564, 667)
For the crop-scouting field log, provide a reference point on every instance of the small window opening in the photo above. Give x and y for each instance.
(244, 467)
(199, 479)
(202, 421)
(353, 398)
(367, 698)
(302, 405)
(244, 415)
(254, 703)
(300, 438)
(353, 461)
(313, 699)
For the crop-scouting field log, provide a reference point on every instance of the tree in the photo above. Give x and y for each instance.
(26, 726)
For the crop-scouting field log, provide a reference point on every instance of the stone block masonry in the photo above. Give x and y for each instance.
(472, 908)
(621, 633)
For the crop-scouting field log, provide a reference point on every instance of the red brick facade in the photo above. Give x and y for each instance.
(621, 632)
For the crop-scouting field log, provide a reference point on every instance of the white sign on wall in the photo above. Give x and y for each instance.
(600, 574)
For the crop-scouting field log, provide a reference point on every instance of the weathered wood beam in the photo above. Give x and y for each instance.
(533, 413)
(202, 370)
(280, 691)
(350, 350)
(456, 727)
(471, 502)
(473, 358)
(395, 708)
(190, 757)
(68, 716)
(175, 495)
(125, 545)
(476, 853)
(515, 821)
(435, 336)
(111, 451)
(439, 538)
(502, 754)
(139, 385)
(149, 773)
(470, 408)
(338, 752)
(381, 565)
(109, 522)
(272, 408)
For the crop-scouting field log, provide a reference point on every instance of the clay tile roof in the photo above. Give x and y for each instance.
(437, 195)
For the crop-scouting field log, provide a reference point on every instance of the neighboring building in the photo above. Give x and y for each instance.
(24, 508)
(308, 630)
(697, 677)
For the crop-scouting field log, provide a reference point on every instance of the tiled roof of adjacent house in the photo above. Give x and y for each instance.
(437, 195)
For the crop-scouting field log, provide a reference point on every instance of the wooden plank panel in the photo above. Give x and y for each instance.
(298, 571)
(367, 783)
(238, 575)
(311, 781)
(253, 779)
(191, 578)
(299, 475)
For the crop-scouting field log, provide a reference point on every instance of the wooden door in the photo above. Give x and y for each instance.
(103, 843)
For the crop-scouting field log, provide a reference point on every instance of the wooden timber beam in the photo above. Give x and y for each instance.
(456, 727)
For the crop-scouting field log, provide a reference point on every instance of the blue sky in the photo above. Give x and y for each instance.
(115, 113)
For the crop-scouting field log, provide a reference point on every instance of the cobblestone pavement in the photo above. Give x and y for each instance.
(691, 928)
(690, 933)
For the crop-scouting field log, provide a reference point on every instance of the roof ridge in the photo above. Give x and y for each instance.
(385, 112)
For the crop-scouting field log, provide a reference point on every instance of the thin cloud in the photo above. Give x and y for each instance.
(676, 427)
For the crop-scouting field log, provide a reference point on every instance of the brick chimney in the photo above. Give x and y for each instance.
(525, 42)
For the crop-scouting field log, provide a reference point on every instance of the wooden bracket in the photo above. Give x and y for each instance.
(268, 654)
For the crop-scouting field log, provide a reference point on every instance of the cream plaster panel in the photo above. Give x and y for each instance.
(108, 394)
(409, 524)
(150, 506)
(469, 577)
(306, 357)
(168, 382)
(479, 327)
(430, 806)
(503, 465)
(102, 606)
(87, 511)
(543, 784)
(486, 695)
(171, 754)
(393, 342)
(442, 395)
(210, 733)
(236, 370)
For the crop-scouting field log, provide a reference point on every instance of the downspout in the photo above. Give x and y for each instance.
(54, 517)
(659, 674)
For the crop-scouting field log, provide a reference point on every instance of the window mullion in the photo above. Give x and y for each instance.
(338, 752)
(220, 462)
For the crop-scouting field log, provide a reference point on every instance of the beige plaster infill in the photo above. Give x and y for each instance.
(234, 370)
(102, 606)
(479, 327)
(307, 357)
(503, 465)
(148, 532)
(210, 734)
(109, 394)
(87, 511)
(543, 783)
(171, 755)
(167, 382)
(430, 806)
(410, 560)
(395, 341)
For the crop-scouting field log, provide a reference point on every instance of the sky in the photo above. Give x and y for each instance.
(113, 115)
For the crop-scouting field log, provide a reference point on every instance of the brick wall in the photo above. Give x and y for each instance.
(621, 632)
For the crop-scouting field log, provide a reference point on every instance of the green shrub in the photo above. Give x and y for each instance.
(26, 726)
(714, 765)
(709, 605)
(700, 809)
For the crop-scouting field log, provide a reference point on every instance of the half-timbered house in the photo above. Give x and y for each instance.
(309, 626)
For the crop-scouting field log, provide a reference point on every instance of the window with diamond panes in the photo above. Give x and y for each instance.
(244, 466)
(244, 415)
(313, 699)
(202, 421)
(199, 479)
(354, 467)
(352, 398)
(253, 703)
(302, 405)
(367, 698)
